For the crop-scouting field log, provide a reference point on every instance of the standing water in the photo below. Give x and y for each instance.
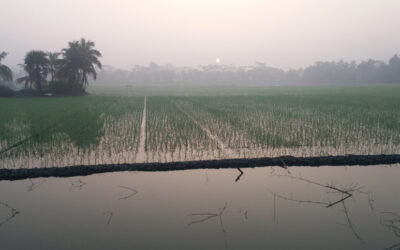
(263, 208)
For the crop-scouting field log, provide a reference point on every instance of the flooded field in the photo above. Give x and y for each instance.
(124, 127)
(276, 207)
(263, 208)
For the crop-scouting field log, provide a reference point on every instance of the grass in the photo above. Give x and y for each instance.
(195, 123)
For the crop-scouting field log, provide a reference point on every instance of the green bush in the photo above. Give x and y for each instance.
(59, 88)
(6, 91)
(63, 88)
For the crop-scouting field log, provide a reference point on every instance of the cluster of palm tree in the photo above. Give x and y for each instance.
(65, 72)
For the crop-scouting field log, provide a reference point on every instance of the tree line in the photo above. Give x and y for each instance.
(67, 72)
(61, 73)
(320, 73)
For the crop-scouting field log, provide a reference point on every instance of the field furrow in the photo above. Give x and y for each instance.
(173, 136)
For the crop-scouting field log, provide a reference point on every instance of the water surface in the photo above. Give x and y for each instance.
(265, 208)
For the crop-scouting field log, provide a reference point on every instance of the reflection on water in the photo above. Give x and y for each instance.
(34, 184)
(208, 216)
(264, 208)
(391, 221)
(78, 184)
(13, 213)
(133, 192)
(100, 133)
(343, 193)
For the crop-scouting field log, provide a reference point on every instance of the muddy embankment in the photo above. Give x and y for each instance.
(284, 161)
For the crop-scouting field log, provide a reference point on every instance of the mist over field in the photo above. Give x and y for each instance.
(320, 73)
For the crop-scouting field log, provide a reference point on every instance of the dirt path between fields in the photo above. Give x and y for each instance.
(141, 154)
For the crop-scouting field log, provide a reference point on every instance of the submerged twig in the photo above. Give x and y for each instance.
(347, 193)
(13, 211)
(297, 200)
(221, 211)
(351, 224)
(208, 216)
(244, 212)
(393, 247)
(284, 165)
(110, 215)
(134, 192)
(34, 185)
(339, 201)
(77, 184)
(331, 188)
(393, 224)
(240, 175)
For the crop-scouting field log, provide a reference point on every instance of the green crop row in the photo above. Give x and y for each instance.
(286, 121)
(170, 133)
(106, 129)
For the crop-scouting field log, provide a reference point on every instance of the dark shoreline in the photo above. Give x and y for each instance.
(284, 161)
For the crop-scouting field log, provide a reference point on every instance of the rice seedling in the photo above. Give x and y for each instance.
(101, 129)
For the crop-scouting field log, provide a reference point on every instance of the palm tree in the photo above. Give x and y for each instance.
(36, 64)
(54, 62)
(79, 61)
(5, 72)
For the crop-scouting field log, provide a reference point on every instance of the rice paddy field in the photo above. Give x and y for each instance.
(126, 124)
(270, 207)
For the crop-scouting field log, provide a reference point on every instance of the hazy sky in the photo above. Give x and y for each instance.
(281, 33)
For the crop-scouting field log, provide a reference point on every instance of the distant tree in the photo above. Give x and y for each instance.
(54, 63)
(393, 69)
(6, 74)
(79, 61)
(370, 71)
(36, 65)
(320, 73)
